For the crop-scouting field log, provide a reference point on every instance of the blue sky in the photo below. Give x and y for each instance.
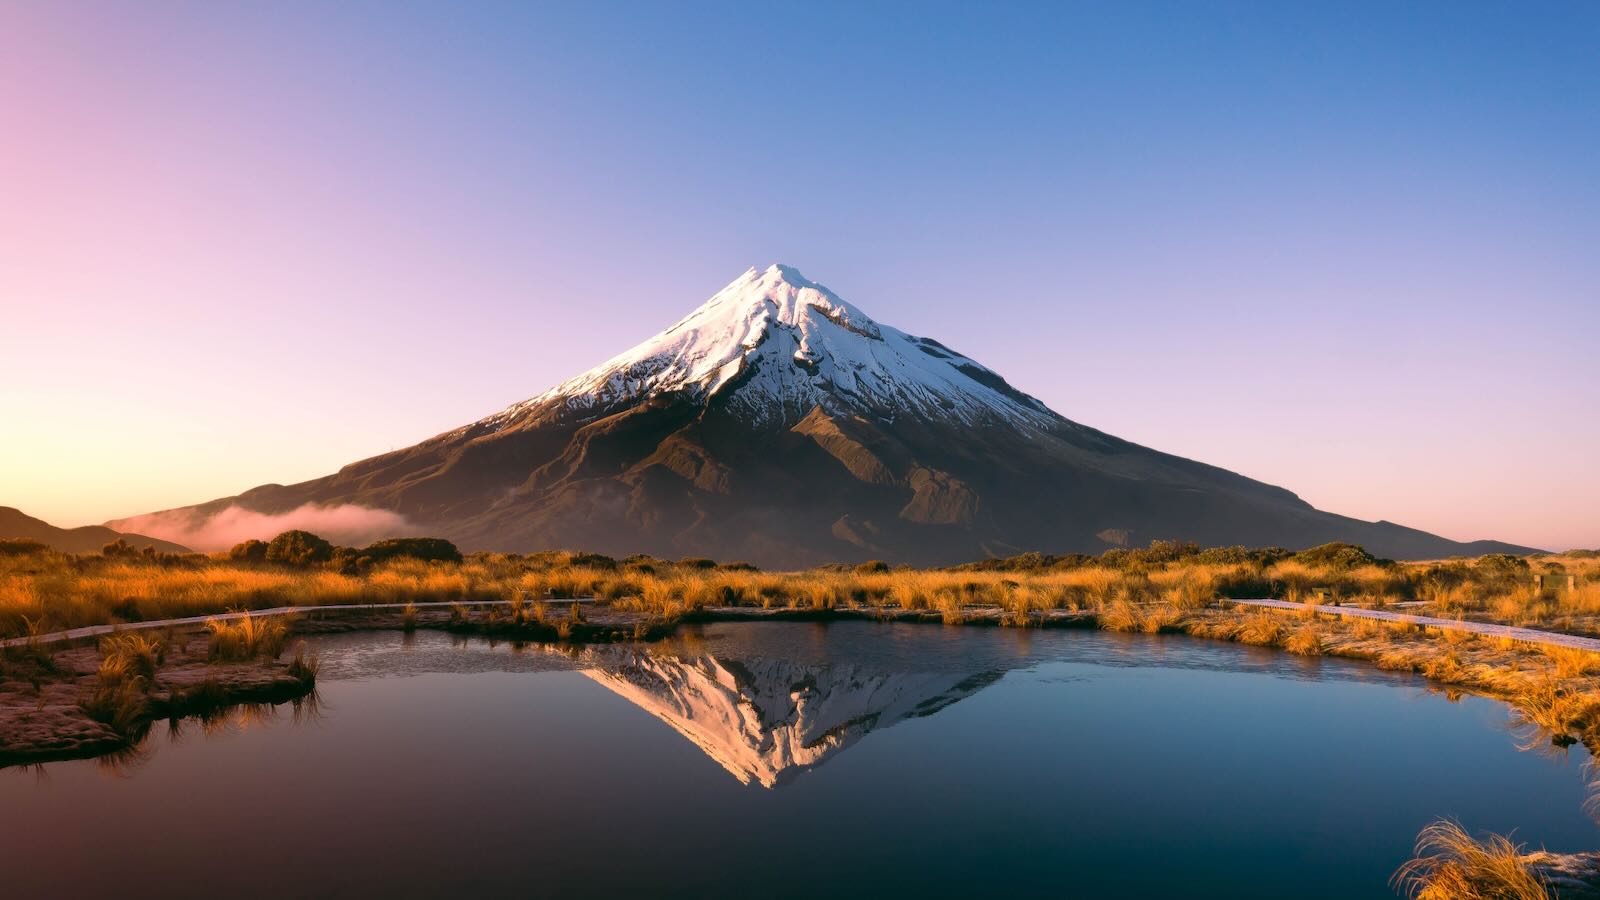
(1346, 248)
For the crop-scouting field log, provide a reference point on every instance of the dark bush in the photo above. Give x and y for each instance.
(1339, 555)
(1162, 552)
(21, 547)
(697, 562)
(251, 551)
(1500, 565)
(119, 549)
(1235, 556)
(872, 565)
(592, 560)
(299, 548)
(346, 561)
(431, 549)
(1022, 562)
(1447, 575)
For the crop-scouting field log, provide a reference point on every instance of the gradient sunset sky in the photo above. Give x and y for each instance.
(1352, 249)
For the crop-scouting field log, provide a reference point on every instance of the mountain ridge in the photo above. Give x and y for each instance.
(14, 523)
(781, 424)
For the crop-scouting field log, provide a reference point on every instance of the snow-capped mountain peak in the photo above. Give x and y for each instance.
(774, 345)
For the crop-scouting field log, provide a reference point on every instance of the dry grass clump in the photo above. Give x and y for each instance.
(1185, 589)
(127, 672)
(1584, 600)
(1570, 662)
(1296, 579)
(1453, 637)
(246, 638)
(1555, 707)
(1122, 615)
(1452, 865)
(1018, 605)
(1260, 628)
(1446, 667)
(304, 667)
(1446, 598)
(1305, 641)
(134, 652)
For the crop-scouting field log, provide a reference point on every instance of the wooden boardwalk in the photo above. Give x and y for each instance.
(1525, 635)
(56, 637)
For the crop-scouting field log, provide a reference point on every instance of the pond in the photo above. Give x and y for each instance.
(796, 760)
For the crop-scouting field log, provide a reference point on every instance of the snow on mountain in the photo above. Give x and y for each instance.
(778, 345)
(780, 425)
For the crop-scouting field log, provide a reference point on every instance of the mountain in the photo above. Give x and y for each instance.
(779, 424)
(14, 523)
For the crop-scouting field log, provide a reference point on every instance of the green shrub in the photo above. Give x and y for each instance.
(299, 548)
(425, 548)
(591, 560)
(1500, 566)
(1338, 555)
(251, 551)
(22, 547)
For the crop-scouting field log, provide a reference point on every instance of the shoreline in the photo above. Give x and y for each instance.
(54, 722)
(43, 715)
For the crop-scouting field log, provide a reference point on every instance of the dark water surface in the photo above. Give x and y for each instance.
(796, 760)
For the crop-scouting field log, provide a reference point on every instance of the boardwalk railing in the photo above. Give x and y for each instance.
(1490, 629)
(74, 634)
(1525, 635)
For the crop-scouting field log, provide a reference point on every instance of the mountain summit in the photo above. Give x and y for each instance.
(780, 424)
(773, 346)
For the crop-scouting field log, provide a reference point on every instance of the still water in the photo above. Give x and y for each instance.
(796, 760)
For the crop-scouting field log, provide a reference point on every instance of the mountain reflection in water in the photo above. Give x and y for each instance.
(1071, 760)
(766, 720)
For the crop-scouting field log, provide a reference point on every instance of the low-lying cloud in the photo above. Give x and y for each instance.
(345, 523)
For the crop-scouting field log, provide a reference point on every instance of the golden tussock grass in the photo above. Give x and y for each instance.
(1570, 662)
(246, 638)
(1305, 641)
(1555, 689)
(1451, 864)
(1122, 615)
(63, 591)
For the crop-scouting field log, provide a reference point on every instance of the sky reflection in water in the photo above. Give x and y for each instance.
(848, 759)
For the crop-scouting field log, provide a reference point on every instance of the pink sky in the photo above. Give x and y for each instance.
(246, 246)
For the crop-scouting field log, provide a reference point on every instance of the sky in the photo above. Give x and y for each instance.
(1351, 249)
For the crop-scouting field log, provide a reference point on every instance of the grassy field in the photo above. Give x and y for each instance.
(1163, 588)
(43, 591)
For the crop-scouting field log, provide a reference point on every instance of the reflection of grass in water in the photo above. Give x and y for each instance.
(304, 667)
(225, 718)
(1451, 864)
